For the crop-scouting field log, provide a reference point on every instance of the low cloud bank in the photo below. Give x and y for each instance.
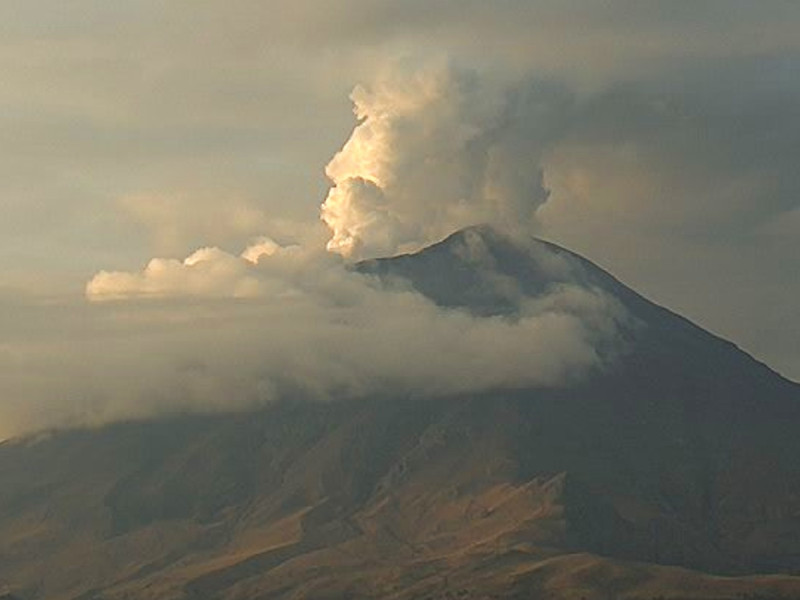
(180, 336)
(208, 272)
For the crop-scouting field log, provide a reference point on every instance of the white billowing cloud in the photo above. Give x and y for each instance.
(435, 150)
(263, 246)
(264, 268)
(208, 272)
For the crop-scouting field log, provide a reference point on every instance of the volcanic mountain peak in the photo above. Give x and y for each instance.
(685, 453)
(489, 272)
(484, 270)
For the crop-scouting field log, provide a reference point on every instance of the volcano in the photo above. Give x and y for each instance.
(670, 470)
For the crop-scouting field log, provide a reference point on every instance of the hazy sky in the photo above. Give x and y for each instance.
(659, 139)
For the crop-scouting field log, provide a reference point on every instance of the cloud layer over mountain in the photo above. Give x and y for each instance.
(219, 332)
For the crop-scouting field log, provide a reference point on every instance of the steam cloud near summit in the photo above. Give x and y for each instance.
(436, 149)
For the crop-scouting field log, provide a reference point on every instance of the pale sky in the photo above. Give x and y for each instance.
(664, 138)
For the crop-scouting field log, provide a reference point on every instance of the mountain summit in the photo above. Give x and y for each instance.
(675, 459)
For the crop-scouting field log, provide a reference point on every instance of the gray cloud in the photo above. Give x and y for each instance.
(174, 338)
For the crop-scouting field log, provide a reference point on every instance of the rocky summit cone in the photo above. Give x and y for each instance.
(668, 469)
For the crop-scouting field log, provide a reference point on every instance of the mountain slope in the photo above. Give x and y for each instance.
(487, 272)
(681, 452)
